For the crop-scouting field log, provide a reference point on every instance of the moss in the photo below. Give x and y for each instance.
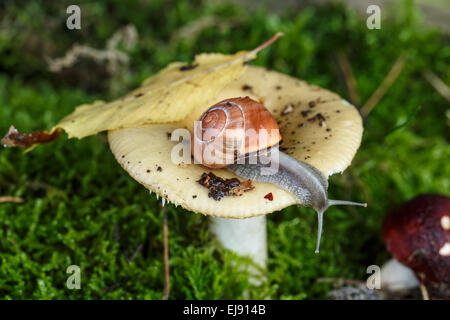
(82, 209)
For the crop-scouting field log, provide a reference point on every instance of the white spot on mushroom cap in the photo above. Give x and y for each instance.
(345, 102)
(289, 108)
(445, 222)
(445, 250)
(348, 123)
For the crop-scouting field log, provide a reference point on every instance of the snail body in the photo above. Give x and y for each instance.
(229, 128)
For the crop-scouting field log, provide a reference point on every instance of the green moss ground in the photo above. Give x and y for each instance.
(82, 208)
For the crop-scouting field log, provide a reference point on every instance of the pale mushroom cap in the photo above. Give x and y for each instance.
(142, 150)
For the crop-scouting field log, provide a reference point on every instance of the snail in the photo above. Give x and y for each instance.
(241, 135)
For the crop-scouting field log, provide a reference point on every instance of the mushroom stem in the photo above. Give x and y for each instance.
(245, 237)
(395, 276)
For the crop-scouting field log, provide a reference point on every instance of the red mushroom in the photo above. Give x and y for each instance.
(418, 236)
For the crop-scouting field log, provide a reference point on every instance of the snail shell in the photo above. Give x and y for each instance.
(231, 129)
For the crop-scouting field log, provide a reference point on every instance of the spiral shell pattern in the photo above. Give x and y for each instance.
(231, 129)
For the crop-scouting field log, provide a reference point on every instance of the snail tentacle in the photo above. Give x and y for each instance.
(345, 203)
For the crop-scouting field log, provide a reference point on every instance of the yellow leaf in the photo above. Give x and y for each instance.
(168, 96)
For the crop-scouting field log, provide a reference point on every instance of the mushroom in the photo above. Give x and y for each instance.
(320, 130)
(417, 234)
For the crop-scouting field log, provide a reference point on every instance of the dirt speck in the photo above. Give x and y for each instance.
(320, 118)
(305, 113)
(269, 196)
(188, 67)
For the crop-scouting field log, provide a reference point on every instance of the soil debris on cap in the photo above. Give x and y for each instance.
(219, 188)
(189, 67)
(269, 196)
(305, 113)
(320, 118)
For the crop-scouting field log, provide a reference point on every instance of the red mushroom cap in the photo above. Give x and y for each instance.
(418, 235)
